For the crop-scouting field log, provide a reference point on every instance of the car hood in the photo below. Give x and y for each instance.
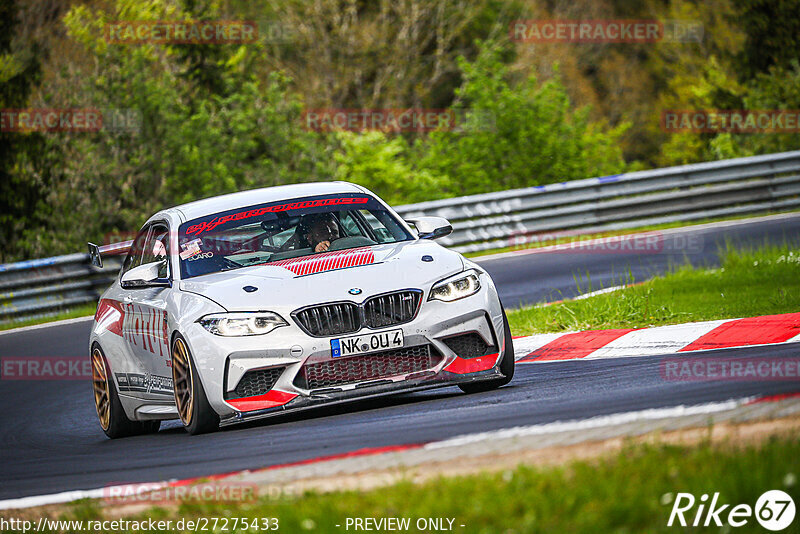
(287, 284)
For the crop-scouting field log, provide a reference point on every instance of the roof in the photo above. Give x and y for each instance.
(242, 199)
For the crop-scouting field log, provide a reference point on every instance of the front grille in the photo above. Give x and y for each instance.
(468, 346)
(373, 366)
(257, 382)
(330, 319)
(391, 309)
(347, 317)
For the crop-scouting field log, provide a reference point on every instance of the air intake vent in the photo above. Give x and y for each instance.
(469, 345)
(354, 369)
(257, 382)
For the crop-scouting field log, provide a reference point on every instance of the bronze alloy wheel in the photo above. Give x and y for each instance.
(183, 381)
(102, 396)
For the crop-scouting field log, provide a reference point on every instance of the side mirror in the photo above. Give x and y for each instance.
(94, 254)
(145, 276)
(431, 227)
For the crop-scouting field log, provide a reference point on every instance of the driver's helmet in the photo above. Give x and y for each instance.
(307, 222)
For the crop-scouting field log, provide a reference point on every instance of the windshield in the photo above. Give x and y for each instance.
(265, 233)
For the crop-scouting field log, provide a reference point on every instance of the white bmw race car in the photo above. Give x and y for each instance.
(263, 302)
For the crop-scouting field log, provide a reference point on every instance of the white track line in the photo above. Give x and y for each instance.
(69, 496)
(47, 325)
(598, 292)
(56, 498)
(594, 422)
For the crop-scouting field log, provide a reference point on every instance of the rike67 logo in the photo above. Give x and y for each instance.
(774, 510)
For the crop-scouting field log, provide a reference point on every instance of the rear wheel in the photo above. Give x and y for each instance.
(194, 410)
(506, 365)
(110, 412)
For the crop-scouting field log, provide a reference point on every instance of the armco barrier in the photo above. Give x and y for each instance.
(688, 192)
(494, 220)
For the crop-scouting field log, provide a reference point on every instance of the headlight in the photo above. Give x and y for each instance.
(242, 324)
(457, 287)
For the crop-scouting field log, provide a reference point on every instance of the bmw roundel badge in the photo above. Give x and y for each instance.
(355, 291)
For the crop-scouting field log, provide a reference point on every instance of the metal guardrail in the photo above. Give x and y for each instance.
(41, 287)
(493, 220)
(673, 194)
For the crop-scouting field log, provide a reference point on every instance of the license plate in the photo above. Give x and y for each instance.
(347, 346)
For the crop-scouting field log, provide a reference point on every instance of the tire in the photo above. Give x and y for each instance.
(506, 366)
(110, 412)
(196, 414)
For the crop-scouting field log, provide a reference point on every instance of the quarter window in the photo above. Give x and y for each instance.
(157, 248)
(134, 257)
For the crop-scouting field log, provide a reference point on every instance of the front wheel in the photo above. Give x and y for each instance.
(506, 366)
(197, 416)
(109, 408)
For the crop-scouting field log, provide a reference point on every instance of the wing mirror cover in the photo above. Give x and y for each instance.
(145, 275)
(431, 227)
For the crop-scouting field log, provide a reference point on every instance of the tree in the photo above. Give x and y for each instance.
(773, 35)
(23, 177)
(518, 136)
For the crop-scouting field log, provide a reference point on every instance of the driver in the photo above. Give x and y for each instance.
(321, 230)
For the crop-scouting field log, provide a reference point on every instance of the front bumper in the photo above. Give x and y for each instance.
(223, 361)
(300, 403)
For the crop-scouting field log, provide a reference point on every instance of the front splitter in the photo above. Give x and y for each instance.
(362, 392)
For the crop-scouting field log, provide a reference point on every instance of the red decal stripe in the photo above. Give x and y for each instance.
(749, 331)
(270, 399)
(573, 346)
(775, 398)
(148, 329)
(463, 366)
(110, 315)
(328, 261)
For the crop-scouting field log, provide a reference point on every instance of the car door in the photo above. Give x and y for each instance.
(145, 324)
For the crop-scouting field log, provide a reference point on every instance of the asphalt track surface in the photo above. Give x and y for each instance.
(50, 440)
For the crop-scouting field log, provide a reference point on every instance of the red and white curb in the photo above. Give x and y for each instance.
(680, 338)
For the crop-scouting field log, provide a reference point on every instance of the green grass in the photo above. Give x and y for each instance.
(71, 313)
(571, 239)
(764, 281)
(631, 491)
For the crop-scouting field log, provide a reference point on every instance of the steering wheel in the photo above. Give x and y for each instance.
(289, 243)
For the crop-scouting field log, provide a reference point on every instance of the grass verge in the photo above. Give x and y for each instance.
(631, 491)
(80, 311)
(748, 283)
